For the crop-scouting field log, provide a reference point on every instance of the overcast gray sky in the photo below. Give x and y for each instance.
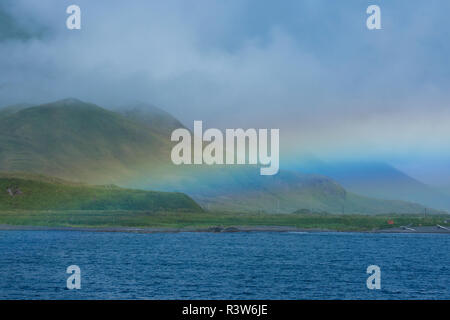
(310, 68)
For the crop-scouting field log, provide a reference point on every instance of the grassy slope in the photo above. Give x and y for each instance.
(82, 142)
(119, 218)
(309, 199)
(78, 141)
(43, 193)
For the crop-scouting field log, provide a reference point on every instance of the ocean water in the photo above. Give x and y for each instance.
(223, 266)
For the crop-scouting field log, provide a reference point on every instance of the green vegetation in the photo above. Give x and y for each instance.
(36, 200)
(143, 219)
(32, 192)
(79, 141)
(83, 142)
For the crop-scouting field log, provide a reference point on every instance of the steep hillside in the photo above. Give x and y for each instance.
(152, 117)
(83, 142)
(380, 180)
(33, 192)
(79, 141)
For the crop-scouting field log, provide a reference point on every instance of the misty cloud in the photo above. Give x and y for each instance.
(310, 68)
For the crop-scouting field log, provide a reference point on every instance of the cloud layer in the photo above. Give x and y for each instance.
(310, 68)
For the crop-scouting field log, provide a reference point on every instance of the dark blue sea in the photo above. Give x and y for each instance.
(223, 266)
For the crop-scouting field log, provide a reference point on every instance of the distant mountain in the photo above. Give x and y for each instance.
(379, 180)
(234, 189)
(83, 142)
(34, 192)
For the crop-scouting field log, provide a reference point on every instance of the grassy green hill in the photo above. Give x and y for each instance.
(79, 141)
(34, 192)
(83, 142)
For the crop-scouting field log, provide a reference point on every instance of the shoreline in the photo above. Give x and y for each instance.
(218, 229)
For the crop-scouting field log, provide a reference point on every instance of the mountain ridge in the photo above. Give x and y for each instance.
(64, 137)
(379, 180)
(84, 142)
